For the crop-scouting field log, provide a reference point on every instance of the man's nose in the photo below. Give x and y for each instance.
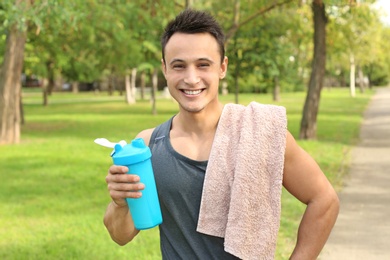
(191, 76)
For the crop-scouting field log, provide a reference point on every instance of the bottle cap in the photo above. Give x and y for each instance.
(132, 153)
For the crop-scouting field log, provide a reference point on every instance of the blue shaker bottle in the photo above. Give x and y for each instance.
(145, 211)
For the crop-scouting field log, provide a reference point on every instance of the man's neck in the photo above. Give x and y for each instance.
(192, 134)
(205, 121)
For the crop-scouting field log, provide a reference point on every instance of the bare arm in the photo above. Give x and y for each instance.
(304, 179)
(117, 218)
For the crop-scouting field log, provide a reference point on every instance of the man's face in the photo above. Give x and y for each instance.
(193, 69)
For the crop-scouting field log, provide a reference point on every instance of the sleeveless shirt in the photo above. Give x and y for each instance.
(179, 182)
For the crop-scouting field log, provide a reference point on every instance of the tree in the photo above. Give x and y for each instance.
(18, 15)
(377, 68)
(153, 13)
(354, 44)
(309, 116)
(10, 74)
(241, 20)
(238, 23)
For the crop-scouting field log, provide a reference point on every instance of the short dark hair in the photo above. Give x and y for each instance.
(191, 21)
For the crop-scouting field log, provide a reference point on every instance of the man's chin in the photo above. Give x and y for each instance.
(192, 109)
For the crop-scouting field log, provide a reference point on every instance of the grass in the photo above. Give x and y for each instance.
(53, 194)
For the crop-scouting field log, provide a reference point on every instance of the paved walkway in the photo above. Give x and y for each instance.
(362, 230)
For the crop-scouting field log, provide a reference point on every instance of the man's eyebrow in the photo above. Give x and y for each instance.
(176, 60)
(206, 59)
(200, 59)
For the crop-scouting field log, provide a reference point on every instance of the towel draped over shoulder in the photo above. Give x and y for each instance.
(241, 199)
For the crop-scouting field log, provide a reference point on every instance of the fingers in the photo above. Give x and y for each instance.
(122, 185)
(125, 190)
(115, 169)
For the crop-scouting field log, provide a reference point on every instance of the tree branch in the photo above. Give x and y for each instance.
(234, 28)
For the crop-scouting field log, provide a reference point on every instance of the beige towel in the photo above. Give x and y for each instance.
(241, 198)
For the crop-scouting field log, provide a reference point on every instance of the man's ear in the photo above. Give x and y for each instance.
(224, 67)
(163, 67)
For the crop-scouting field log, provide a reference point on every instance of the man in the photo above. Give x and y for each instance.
(193, 64)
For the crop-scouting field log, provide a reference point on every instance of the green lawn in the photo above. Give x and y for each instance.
(53, 193)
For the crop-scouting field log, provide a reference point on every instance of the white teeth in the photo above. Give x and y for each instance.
(192, 92)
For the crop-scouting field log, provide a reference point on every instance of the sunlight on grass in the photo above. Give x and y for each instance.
(53, 193)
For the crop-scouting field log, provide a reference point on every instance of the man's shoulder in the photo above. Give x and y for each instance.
(146, 134)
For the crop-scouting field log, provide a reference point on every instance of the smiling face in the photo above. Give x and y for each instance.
(193, 68)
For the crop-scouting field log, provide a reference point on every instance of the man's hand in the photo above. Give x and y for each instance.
(118, 219)
(122, 185)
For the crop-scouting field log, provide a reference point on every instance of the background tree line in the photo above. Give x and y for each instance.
(115, 45)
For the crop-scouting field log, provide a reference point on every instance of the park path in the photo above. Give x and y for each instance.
(362, 230)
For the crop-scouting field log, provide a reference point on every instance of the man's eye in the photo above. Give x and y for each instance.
(178, 66)
(204, 65)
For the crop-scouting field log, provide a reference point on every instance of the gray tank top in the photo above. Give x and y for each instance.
(179, 183)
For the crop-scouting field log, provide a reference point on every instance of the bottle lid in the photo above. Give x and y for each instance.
(132, 153)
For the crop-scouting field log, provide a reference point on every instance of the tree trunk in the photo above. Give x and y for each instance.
(10, 86)
(128, 89)
(362, 81)
(22, 119)
(75, 87)
(154, 90)
(352, 85)
(143, 85)
(110, 86)
(309, 116)
(276, 92)
(133, 86)
(236, 82)
(130, 85)
(45, 92)
(224, 90)
(51, 80)
(237, 71)
(189, 3)
(118, 86)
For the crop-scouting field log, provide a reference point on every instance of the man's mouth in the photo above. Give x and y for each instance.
(192, 92)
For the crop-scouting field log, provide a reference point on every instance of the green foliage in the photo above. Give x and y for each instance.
(2, 46)
(90, 40)
(357, 31)
(53, 194)
(270, 47)
(94, 39)
(11, 14)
